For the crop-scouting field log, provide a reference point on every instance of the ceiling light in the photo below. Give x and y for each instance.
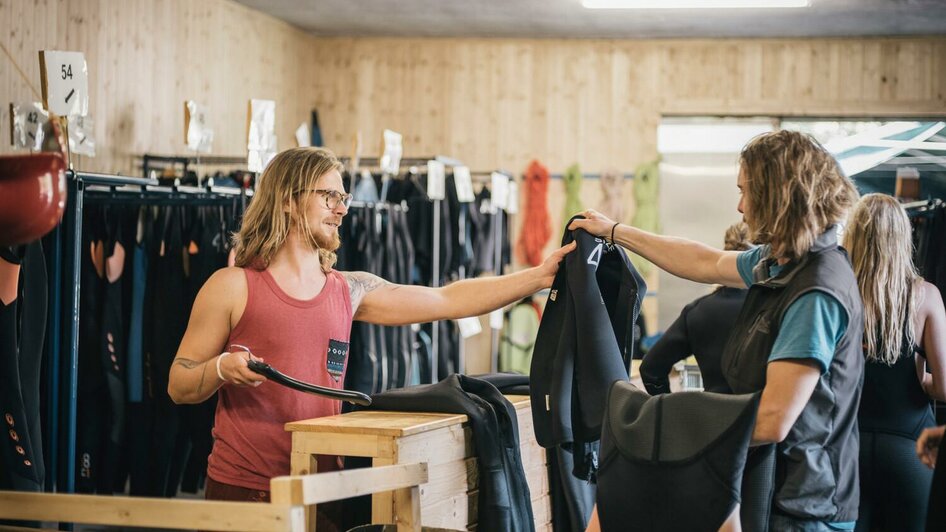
(692, 4)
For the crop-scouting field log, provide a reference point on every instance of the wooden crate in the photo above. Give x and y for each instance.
(444, 441)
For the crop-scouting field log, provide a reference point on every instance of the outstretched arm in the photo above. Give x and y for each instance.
(681, 257)
(375, 300)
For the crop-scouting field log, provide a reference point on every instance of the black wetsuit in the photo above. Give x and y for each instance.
(22, 336)
(701, 330)
(674, 461)
(894, 410)
(504, 502)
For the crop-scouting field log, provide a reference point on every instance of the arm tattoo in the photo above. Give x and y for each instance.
(359, 284)
(186, 362)
(200, 385)
(191, 364)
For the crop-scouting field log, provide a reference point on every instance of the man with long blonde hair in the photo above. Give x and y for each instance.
(284, 302)
(798, 336)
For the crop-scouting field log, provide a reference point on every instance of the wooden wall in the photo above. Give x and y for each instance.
(499, 103)
(146, 57)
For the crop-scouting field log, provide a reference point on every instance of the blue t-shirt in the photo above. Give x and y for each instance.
(811, 327)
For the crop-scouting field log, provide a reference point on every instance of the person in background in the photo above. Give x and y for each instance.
(700, 330)
(905, 348)
(284, 302)
(798, 336)
(928, 445)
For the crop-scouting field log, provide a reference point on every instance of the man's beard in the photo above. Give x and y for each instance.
(328, 243)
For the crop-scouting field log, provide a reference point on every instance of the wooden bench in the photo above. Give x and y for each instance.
(444, 441)
(291, 496)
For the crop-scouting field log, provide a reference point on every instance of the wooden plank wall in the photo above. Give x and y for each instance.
(499, 103)
(146, 57)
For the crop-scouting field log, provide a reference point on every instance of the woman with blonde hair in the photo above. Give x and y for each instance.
(903, 317)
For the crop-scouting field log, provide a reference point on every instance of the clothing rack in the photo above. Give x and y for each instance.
(63, 329)
(435, 259)
(151, 161)
(923, 205)
(592, 176)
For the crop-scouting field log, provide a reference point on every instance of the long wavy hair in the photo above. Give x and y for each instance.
(878, 238)
(794, 191)
(275, 209)
(736, 237)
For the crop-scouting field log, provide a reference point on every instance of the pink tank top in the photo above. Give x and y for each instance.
(295, 337)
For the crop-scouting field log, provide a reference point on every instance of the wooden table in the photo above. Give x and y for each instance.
(444, 441)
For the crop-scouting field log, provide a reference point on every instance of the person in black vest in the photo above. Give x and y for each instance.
(903, 318)
(798, 336)
(697, 330)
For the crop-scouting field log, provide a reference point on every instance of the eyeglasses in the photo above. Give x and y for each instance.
(333, 198)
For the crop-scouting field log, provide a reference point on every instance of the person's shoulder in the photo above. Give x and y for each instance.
(226, 283)
(930, 299)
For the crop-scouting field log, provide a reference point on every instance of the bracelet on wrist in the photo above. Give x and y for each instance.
(219, 358)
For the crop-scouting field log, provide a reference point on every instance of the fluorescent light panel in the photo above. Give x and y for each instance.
(692, 4)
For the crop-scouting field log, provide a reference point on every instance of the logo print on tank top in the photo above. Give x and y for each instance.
(335, 361)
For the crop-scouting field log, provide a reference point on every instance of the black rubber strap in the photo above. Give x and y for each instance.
(271, 373)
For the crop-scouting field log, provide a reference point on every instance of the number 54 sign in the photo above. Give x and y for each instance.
(65, 80)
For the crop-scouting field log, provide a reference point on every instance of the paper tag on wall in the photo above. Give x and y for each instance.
(393, 149)
(464, 184)
(65, 82)
(496, 319)
(303, 136)
(198, 135)
(26, 125)
(82, 136)
(512, 202)
(261, 134)
(436, 180)
(499, 190)
(469, 327)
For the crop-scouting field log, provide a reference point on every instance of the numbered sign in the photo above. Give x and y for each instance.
(27, 121)
(436, 180)
(303, 136)
(393, 149)
(464, 184)
(65, 80)
(261, 134)
(198, 135)
(81, 136)
(499, 190)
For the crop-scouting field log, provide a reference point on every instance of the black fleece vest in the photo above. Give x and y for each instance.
(585, 343)
(816, 464)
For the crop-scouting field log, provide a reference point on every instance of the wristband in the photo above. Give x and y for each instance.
(219, 358)
(613, 227)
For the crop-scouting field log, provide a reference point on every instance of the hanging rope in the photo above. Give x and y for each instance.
(536, 227)
(572, 180)
(612, 195)
(646, 187)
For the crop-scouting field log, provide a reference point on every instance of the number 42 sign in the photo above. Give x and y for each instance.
(65, 80)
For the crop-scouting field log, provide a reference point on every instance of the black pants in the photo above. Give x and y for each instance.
(895, 485)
